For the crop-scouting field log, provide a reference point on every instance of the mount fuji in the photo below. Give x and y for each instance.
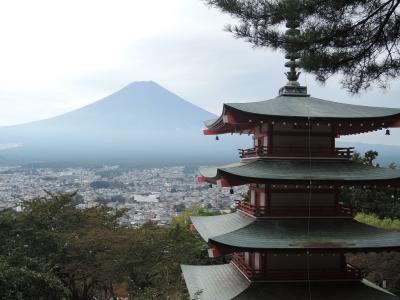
(141, 124)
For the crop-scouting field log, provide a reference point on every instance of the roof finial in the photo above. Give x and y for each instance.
(292, 87)
(291, 34)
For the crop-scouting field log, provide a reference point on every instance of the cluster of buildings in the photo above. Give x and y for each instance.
(155, 194)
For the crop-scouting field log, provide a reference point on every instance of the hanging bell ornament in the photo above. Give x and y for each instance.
(387, 132)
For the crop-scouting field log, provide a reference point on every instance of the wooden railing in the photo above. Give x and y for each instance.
(345, 209)
(296, 152)
(251, 273)
(353, 272)
(284, 211)
(252, 209)
(350, 272)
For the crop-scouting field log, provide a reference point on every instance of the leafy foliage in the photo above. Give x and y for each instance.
(373, 220)
(382, 202)
(183, 220)
(379, 208)
(54, 250)
(154, 264)
(24, 278)
(357, 38)
(379, 267)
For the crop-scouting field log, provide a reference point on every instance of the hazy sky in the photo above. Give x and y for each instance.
(56, 56)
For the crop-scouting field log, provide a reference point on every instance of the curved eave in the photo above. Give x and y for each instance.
(285, 235)
(214, 282)
(214, 126)
(336, 172)
(241, 116)
(226, 282)
(238, 117)
(212, 174)
(212, 226)
(225, 124)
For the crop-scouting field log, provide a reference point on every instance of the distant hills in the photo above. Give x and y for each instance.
(142, 124)
(387, 153)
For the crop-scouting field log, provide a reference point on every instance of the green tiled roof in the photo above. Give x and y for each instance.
(218, 225)
(209, 123)
(214, 282)
(316, 170)
(312, 107)
(287, 234)
(225, 282)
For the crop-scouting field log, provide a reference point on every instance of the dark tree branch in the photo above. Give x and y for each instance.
(358, 39)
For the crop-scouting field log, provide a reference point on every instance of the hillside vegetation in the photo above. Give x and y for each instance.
(53, 250)
(373, 220)
(379, 208)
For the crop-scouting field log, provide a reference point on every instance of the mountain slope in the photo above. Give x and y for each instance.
(141, 123)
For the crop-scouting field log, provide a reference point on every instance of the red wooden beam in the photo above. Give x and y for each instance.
(201, 179)
(228, 118)
(214, 252)
(209, 132)
(396, 123)
(223, 182)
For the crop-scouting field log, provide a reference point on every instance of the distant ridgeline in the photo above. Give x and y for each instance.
(141, 124)
(387, 154)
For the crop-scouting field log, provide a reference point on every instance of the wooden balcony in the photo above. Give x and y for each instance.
(295, 211)
(251, 209)
(251, 273)
(316, 152)
(346, 210)
(349, 272)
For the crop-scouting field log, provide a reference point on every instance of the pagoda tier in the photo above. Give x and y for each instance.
(240, 232)
(288, 240)
(225, 282)
(302, 110)
(300, 171)
(306, 265)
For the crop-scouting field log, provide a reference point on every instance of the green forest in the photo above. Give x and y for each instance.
(380, 208)
(54, 250)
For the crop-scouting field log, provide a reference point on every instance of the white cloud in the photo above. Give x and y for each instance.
(60, 55)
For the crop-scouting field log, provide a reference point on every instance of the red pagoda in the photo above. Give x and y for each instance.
(288, 241)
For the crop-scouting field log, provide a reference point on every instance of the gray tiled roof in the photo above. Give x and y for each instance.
(218, 225)
(294, 233)
(312, 107)
(316, 170)
(225, 282)
(214, 282)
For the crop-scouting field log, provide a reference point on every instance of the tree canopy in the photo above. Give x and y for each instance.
(381, 202)
(54, 250)
(380, 208)
(357, 39)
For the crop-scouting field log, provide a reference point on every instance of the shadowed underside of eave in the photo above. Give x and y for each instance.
(297, 170)
(239, 231)
(224, 282)
(286, 108)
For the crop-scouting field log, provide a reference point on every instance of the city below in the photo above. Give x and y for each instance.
(155, 194)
